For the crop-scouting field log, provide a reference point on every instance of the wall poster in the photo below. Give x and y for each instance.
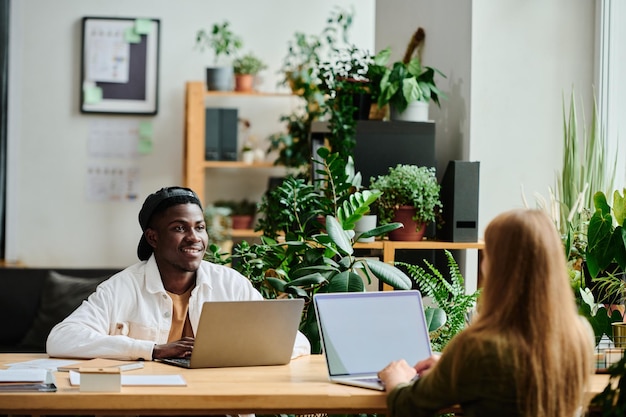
(119, 65)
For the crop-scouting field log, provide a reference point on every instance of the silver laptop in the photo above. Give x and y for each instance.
(362, 332)
(244, 333)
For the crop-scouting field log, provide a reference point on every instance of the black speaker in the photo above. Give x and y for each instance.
(459, 197)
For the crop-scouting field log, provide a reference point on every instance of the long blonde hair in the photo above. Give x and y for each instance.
(527, 307)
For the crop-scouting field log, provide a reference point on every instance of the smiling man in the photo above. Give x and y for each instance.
(151, 309)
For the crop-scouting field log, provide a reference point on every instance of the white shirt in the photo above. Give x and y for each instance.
(131, 312)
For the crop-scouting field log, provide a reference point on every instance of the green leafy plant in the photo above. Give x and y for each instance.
(408, 80)
(606, 236)
(221, 39)
(296, 259)
(376, 70)
(301, 69)
(290, 209)
(405, 83)
(597, 315)
(320, 262)
(449, 295)
(293, 145)
(336, 179)
(248, 64)
(408, 185)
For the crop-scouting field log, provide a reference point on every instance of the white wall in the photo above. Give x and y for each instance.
(50, 221)
(611, 84)
(447, 24)
(543, 49)
(509, 63)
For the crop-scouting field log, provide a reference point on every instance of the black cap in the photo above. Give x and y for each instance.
(177, 195)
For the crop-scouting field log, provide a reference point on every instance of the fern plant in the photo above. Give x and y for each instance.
(450, 296)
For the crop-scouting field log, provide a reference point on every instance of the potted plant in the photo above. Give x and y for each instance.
(301, 70)
(245, 68)
(345, 83)
(224, 42)
(605, 256)
(376, 69)
(408, 86)
(410, 195)
(241, 212)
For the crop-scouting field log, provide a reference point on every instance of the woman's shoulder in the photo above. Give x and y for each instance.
(477, 344)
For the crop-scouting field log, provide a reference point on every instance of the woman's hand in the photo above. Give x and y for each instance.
(423, 367)
(179, 349)
(395, 373)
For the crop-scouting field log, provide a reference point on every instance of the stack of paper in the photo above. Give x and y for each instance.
(102, 363)
(141, 380)
(26, 380)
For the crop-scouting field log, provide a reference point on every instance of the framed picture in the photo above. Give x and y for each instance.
(120, 65)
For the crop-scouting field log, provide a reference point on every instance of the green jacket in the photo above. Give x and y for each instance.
(485, 385)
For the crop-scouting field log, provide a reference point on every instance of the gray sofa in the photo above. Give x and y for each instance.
(33, 300)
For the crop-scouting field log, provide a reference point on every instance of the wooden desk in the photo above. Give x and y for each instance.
(298, 388)
(301, 387)
(389, 248)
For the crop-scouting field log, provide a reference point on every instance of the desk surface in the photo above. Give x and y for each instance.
(301, 387)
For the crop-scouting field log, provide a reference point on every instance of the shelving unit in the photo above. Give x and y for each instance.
(194, 163)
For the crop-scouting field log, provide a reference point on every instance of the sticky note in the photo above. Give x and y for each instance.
(131, 36)
(144, 146)
(145, 130)
(143, 26)
(92, 95)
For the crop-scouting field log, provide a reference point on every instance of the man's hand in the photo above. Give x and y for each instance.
(179, 349)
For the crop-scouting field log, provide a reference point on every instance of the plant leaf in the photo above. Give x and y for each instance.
(435, 318)
(389, 274)
(338, 235)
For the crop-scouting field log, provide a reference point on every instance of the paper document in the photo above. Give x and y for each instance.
(102, 363)
(51, 364)
(141, 380)
(23, 375)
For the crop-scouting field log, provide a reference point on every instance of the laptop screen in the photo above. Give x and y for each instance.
(363, 331)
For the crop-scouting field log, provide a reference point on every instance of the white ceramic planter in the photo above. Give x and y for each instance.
(247, 157)
(415, 112)
(364, 224)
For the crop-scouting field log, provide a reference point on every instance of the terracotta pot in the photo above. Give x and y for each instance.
(242, 221)
(412, 230)
(244, 82)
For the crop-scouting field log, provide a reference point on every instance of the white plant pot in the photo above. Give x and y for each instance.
(415, 112)
(364, 224)
(247, 157)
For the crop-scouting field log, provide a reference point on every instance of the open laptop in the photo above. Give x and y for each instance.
(362, 332)
(244, 333)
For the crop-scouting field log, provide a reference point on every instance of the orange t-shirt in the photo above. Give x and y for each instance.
(181, 326)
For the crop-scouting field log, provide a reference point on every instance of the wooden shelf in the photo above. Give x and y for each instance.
(243, 233)
(238, 164)
(194, 163)
(243, 93)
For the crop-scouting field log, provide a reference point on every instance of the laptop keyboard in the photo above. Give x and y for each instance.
(181, 361)
(369, 379)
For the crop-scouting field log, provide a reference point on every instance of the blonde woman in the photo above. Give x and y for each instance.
(527, 353)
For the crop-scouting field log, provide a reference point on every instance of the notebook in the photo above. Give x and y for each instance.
(362, 332)
(244, 333)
